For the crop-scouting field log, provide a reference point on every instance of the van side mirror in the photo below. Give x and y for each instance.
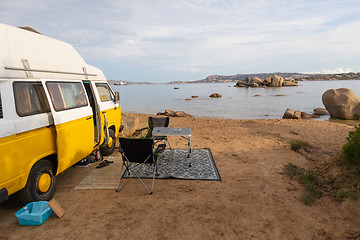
(117, 96)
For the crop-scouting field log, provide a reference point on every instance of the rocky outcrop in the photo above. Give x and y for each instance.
(171, 113)
(290, 83)
(215, 95)
(342, 103)
(270, 81)
(255, 82)
(320, 112)
(292, 114)
(130, 125)
(182, 114)
(241, 83)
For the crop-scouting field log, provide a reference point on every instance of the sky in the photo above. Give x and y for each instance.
(182, 40)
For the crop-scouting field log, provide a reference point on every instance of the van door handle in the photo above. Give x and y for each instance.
(88, 118)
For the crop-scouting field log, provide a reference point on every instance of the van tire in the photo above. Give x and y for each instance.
(104, 148)
(43, 169)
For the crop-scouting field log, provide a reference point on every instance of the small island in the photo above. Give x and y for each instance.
(270, 81)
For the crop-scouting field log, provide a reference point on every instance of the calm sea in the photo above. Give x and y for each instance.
(235, 103)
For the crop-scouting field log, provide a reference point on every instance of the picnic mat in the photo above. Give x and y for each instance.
(173, 163)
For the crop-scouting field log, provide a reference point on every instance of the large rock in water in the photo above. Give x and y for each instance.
(342, 103)
(277, 81)
(274, 81)
(215, 95)
(292, 114)
(171, 113)
(270, 81)
(256, 80)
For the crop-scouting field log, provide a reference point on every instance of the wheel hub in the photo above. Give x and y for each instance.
(44, 182)
(110, 143)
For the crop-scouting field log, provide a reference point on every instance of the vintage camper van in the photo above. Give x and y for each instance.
(55, 109)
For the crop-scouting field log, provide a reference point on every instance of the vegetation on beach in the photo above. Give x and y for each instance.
(338, 178)
(347, 182)
(296, 145)
(351, 149)
(312, 190)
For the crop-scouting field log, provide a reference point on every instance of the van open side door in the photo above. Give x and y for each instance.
(73, 119)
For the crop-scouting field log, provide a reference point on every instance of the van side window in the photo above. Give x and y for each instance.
(105, 92)
(67, 95)
(30, 98)
(1, 111)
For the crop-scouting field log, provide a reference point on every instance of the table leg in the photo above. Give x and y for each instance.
(189, 146)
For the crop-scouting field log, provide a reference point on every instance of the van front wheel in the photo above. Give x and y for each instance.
(41, 183)
(107, 149)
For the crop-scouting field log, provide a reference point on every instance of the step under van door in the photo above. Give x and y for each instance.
(73, 121)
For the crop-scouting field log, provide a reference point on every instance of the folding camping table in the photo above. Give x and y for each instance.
(175, 131)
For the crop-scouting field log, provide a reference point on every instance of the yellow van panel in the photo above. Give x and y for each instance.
(75, 140)
(114, 119)
(20, 152)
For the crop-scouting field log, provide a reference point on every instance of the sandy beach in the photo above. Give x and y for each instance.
(253, 200)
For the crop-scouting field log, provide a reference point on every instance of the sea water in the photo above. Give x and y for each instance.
(235, 103)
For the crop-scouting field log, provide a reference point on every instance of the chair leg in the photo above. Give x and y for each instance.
(168, 143)
(122, 174)
(127, 170)
(144, 185)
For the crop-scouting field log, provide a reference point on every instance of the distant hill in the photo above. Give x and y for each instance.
(326, 77)
(237, 77)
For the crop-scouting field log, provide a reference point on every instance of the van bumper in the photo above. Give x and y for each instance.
(3, 195)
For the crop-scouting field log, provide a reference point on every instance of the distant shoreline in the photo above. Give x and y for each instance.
(237, 77)
(191, 82)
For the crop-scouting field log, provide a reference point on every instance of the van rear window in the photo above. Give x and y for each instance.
(30, 98)
(1, 111)
(67, 95)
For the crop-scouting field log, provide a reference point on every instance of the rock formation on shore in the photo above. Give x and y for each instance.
(271, 81)
(292, 114)
(342, 103)
(171, 113)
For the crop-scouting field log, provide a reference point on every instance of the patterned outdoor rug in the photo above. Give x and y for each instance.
(173, 163)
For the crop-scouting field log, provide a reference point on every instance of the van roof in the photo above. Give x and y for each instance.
(27, 54)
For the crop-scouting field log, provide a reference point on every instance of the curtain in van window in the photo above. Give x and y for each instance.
(30, 98)
(67, 95)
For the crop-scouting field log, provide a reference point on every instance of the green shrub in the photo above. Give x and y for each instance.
(296, 145)
(351, 149)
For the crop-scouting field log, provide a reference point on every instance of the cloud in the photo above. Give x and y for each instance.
(196, 38)
(336, 70)
(333, 71)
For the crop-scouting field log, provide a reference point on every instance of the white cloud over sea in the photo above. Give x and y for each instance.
(161, 41)
(332, 71)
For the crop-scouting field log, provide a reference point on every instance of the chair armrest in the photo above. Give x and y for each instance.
(141, 129)
(160, 148)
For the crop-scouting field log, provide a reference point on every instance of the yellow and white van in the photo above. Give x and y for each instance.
(55, 109)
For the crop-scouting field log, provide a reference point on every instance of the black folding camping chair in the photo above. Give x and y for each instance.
(156, 122)
(138, 154)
